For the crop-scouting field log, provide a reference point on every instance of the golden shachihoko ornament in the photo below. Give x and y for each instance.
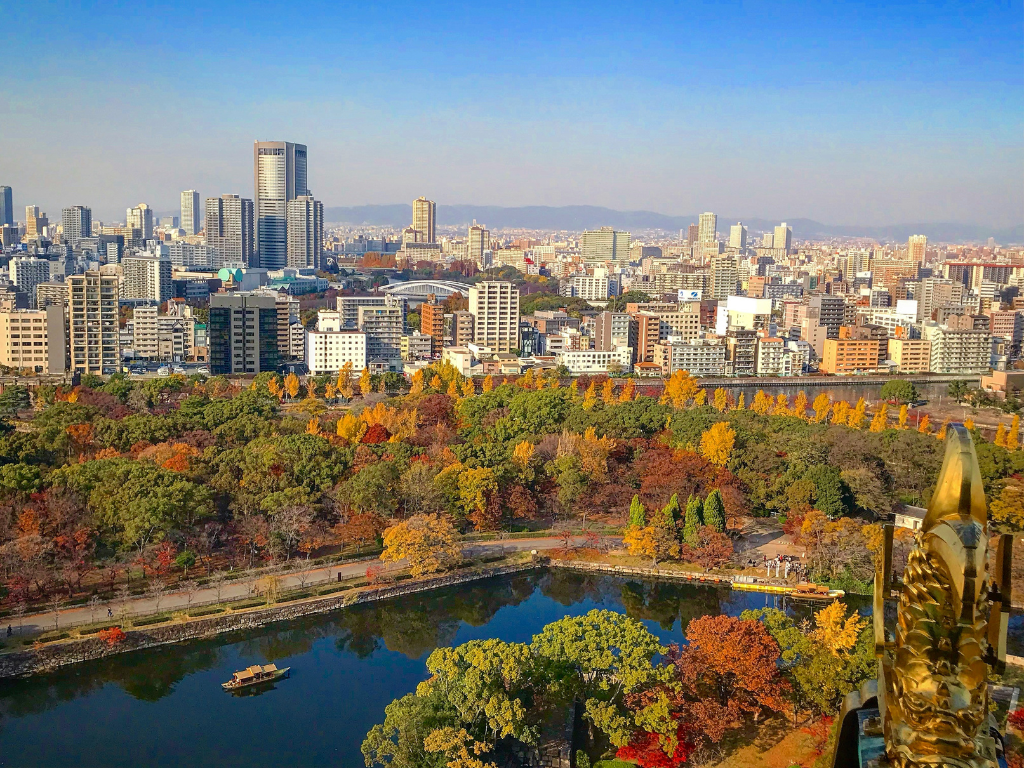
(951, 623)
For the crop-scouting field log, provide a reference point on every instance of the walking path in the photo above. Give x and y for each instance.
(239, 590)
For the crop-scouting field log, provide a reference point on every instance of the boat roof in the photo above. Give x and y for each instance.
(270, 668)
(245, 674)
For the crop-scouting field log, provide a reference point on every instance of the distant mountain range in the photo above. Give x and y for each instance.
(579, 217)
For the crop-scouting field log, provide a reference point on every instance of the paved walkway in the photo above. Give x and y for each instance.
(236, 590)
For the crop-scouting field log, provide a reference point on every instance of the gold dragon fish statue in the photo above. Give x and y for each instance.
(952, 614)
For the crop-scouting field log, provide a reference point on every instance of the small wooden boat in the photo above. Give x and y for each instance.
(816, 592)
(255, 675)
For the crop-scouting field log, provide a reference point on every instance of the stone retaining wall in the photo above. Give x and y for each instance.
(650, 573)
(60, 654)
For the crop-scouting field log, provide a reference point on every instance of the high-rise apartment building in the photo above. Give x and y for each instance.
(692, 235)
(146, 278)
(230, 229)
(724, 276)
(141, 218)
(305, 232)
(6, 207)
(738, 236)
(27, 272)
(279, 176)
(479, 241)
(432, 323)
(783, 239)
(34, 339)
(384, 327)
(76, 222)
(495, 308)
(190, 219)
(424, 216)
(92, 320)
(242, 333)
(707, 233)
(916, 247)
(605, 244)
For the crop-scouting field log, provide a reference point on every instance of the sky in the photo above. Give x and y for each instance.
(846, 113)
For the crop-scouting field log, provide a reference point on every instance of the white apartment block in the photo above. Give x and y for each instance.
(774, 357)
(34, 339)
(593, 287)
(27, 272)
(700, 357)
(327, 351)
(146, 278)
(495, 309)
(960, 351)
(597, 360)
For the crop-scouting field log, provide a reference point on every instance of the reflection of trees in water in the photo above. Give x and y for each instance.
(664, 602)
(572, 587)
(416, 624)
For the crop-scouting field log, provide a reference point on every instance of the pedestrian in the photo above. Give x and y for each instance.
(110, 613)
(9, 630)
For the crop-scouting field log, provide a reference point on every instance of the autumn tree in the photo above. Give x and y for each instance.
(291, 385)
(710, 549)
(762, 404)
(1000, 436)
(488, 384)
(856, 418)
(924, 425)
(835, 631)
(721, 400)
(880, 421)
(428, 543)
(822, 405)
(1008, 506)
(590, 397)
(365, 385)
(841, 413)
(903, 417)
(637, 513)
(608, 392)
(800, 405)
(680, 389)
(716, 443)
(653, 541)
(1013, 435)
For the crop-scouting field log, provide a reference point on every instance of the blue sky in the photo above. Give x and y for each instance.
(842, 112)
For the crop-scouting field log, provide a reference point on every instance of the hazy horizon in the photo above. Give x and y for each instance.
(849, 115)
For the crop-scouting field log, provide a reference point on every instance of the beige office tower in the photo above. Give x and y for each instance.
(605, 244)
(738, 236)
(479, 241)
(783, 239)
(141, 218)
(92, 322)
(916, 247)
(34, 339)
(35, 222)
(305, 232)
(495, 308)
(424, 216)
(190, 220)
(707, 228)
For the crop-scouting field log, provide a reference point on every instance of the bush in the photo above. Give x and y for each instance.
(206, 612)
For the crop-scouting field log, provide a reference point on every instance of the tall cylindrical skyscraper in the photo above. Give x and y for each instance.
(279, 176)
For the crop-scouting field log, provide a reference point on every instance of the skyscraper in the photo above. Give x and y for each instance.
(707, 229)
(243, 333)
(77, 223)
(229, 229)
(305, 232)
(479, 241)
(783, 238)
(190, 221)
(93, 328)
(36, 222)
(279, 175)
(27, 272)
(141, 218)
(6, 207)
(424, 214)
(692, 233)
(916, 247)
(605, 244)
(738, 236)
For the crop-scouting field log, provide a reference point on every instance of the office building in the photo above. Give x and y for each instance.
(1007, 324)
(279, 176)
(230, 230)
(700, 357)
(6, 206)
(35, 340)
(93, 324)
(27, 272)
(692, 235)
(783, 238)
(605, 244)
(738, 236)
(190, 218)
(495, 309)
(916, 247)
(479, 241)
(146, 278)
(305, 232)
(35, 222)
(707, 229)
(242, 333)
(424, 217)
(76, 222)
(935, 293)
(141, 218)
(596, 287)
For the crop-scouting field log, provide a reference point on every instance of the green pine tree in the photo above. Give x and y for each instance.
(637, 513)
(692, 521)
(714, 511)
(671, 512)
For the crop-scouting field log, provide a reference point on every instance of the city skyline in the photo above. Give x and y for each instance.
(694, 114)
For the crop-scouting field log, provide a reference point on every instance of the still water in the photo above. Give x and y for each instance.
(165, 706)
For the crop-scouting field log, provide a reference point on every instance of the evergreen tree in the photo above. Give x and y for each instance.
(671, 512)
(714, 511)
(692, 521)
(637, 513)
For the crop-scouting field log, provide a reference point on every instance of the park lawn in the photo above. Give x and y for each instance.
(774, 745)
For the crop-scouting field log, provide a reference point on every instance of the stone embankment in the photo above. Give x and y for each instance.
(61, 654)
